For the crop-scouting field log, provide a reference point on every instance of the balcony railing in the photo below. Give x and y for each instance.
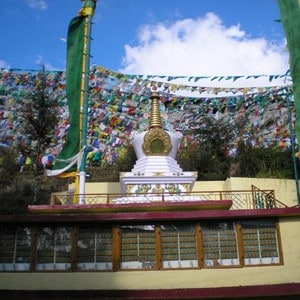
(242, 199)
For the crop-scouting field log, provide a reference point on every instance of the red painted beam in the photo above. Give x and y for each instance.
(151, 216)
(240, 292)
(131, 207)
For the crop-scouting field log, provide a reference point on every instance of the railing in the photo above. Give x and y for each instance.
(242, 199)
(265, 199)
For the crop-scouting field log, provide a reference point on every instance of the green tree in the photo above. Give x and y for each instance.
(126, 159)
(38, 117)
(8, 166)
(264, 162)
(208, 151)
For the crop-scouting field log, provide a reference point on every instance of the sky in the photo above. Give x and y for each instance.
(158, 37)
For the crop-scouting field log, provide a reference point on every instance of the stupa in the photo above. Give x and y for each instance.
(156, 170)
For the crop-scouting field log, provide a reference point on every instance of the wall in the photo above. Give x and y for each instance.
(204, 278)
(285, 190)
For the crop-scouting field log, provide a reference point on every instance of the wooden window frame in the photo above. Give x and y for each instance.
(33, 249)
(148, 263)
(117, 246)
(158, 244)
(94, 232)
(54, 228)
(278, 248)
(216, 263)
(180, 246)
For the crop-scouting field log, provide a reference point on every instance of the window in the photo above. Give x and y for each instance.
(179, 246)
(53, 248)
(220, 244)
(15, 249)
(138, 247)
(94, 249)
(260, 239)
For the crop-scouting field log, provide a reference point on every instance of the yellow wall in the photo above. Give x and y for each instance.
(285, 190)
(103, 188)
(204, 278)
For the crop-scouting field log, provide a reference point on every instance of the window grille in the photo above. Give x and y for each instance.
(153, 246)
(260, 241)
(53, 248)
(15, 249)
(179, 246)
(138, 247)
(94, 249)
(220, 244)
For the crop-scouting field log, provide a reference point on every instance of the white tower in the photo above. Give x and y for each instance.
(156, 169)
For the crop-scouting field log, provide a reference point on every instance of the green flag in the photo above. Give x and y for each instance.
(75, 43)
(290, 17)
(78, 43)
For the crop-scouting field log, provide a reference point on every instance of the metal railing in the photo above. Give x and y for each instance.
(265, 199)
(241, 199)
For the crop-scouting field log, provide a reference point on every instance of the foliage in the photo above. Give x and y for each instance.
(16, 196)
(126, 159)
(110, 172)
(39, 115)
(39, 118)
(208, 153)
(105, 173)
(8, 166)
(264, 162)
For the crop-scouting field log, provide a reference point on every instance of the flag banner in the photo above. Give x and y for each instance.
(75, 48)
(69, 164)
(119, 104)
(290, 17)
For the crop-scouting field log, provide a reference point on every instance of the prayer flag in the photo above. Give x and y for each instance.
(70, 153)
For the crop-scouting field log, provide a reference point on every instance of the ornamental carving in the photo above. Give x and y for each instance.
(157, 142)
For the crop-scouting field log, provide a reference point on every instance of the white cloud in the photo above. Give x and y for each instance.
(4, 64)
(203, 46)
(41, 63)
(37, 4)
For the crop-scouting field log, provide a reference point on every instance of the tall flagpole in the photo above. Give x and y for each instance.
(87, 11)
(292, 139)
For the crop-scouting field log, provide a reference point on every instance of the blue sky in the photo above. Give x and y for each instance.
(168, 37)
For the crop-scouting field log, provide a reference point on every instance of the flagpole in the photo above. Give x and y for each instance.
(87, 11)
(292, 139)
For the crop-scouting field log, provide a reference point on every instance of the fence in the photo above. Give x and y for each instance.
(242, 199)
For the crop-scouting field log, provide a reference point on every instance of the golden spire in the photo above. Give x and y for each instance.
(155, 117)
(157, 141)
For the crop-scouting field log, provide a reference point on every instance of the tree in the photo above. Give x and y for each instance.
(39, 116)
(264, 162)
(8, 166)
(126, 159)
(208, 151)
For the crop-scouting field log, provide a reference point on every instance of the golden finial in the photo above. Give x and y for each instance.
(157, 141)
(155, 117)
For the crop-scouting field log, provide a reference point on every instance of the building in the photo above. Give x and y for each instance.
(157, 234)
